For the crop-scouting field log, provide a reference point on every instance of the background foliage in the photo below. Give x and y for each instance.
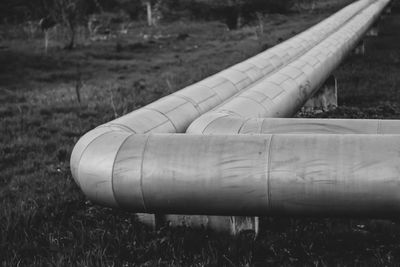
(19, 10)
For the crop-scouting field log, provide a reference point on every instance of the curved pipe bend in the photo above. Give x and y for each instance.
(174, 113)
(115, 165)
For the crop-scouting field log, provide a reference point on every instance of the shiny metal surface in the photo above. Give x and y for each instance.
(115, 165)
(175, 112)
(283, 93)
(256, 175)
(237, 125)
(320, 126)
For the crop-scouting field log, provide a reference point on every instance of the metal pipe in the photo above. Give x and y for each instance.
(247, 175)
(174, 113)
(194, 100)
(96, 156)
(235, 224)
(237, 125)
(283, 93)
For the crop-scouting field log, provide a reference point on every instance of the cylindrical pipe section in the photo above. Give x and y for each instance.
(174, 113)
(238, 125)
(249, 175)
(319, 126)
(283, 93)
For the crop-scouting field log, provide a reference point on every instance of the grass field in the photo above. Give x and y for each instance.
(47, 101)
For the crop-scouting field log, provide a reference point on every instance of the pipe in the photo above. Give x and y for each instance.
(284, 92)
(237, 125)
(174, 113)
(247, 175)
(236, 224)
(97, 155)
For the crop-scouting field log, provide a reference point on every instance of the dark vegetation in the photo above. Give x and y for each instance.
(20, 10)
(47, 101)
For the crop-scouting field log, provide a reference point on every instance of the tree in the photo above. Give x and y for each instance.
(45, 24)
(70, 13)
(150, 4)
(149, 13)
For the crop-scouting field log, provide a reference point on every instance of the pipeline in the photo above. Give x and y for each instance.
(246, 175)
(283, 93)
(174, 113)
(115, 165)
(234, 125)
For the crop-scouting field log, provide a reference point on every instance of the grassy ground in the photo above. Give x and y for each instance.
(46, 220)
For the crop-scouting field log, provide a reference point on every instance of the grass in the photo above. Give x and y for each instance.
(46, 220)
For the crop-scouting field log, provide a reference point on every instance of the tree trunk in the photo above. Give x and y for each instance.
(46, 41)
(239, 21)
(149, 14)
(71, 43)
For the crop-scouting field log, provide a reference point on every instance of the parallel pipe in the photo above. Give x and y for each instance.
(174, 113)
(116, 166)
(235, 125)
(283, 93)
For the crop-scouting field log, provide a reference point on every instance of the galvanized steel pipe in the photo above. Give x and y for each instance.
(175, 112)
(243, 175)
(283, 93)
(249, 175)
(236, 125)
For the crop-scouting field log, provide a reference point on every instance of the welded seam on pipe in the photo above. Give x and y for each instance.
(158, 125)
(141, 173)
(86, 147)
(195, 105)
(268, 171)
(162, 123)
(166, 116)
(113, 170)
(205, 128)
(119, 125)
